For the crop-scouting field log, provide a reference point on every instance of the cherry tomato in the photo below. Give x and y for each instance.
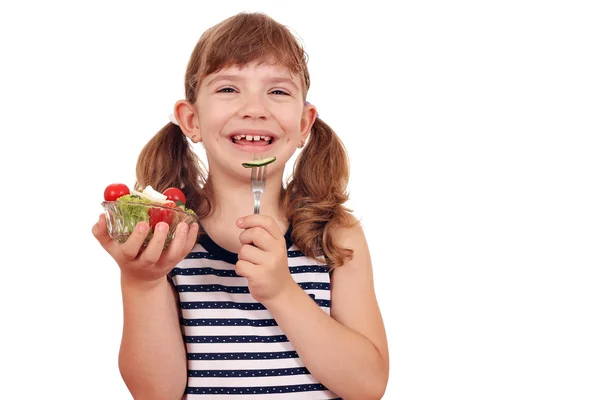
(114, 191)
(161, 215)
(174, 194)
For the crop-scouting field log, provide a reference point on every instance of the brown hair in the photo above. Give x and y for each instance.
(316, 191)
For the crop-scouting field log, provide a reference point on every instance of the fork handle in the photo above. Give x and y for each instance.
(256, 202)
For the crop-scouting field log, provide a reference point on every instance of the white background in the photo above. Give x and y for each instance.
(472, 129)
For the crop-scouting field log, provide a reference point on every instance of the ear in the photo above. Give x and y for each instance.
(185, 112)
(309, 116)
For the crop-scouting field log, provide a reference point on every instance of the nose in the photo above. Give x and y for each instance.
(254, 106)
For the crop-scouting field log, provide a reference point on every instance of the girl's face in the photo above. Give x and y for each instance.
(256, 109)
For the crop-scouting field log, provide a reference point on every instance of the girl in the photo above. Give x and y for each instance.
(277, 304)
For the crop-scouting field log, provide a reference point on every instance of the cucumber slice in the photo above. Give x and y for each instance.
(258, 163)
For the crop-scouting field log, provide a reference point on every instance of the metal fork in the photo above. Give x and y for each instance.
(258, 178)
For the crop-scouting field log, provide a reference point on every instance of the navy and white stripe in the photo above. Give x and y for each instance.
(234, 347)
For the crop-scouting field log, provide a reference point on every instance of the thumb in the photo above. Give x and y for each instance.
(100, 231)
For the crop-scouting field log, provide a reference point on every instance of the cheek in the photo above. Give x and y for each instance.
(214, 118)
(291, 121)
(216, 113)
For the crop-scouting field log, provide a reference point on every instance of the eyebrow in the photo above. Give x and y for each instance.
(284, 80)
(222, 78)
(238, 78)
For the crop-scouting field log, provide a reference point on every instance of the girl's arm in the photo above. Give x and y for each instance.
(152, 357)
(348, 351)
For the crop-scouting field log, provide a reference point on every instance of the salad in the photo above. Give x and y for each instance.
(149, 205)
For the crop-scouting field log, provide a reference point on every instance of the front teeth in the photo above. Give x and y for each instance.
(252, 138)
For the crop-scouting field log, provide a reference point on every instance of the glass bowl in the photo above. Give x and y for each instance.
(123, 216)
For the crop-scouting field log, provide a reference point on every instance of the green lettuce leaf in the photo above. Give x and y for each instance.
(133, 213)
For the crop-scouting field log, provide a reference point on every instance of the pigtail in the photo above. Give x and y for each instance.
(168, 160)
(316, 193)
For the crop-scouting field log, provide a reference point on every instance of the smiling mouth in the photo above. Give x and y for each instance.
(252, 140)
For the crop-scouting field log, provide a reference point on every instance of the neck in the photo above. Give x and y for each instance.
(233, 199)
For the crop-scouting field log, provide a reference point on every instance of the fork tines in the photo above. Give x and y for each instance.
(262, 173)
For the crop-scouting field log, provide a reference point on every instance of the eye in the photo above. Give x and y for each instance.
(280, 92)
(226, 90)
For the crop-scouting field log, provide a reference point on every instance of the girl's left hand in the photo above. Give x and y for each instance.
(263, 257)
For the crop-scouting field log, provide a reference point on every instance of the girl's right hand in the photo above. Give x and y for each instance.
(147, 266)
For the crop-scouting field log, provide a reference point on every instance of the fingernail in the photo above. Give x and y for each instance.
(162, 227)
(240, 221)
(184, 229)
(142, 227)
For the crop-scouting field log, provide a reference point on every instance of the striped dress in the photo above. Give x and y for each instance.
(235, 349)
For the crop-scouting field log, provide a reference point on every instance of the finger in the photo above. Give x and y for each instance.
(156, 245)
(264, 221)
(259, 237)
(178, 244)
(192, 237)
(100, 232)
(244, 268)
(131, 247)
(251, 254)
